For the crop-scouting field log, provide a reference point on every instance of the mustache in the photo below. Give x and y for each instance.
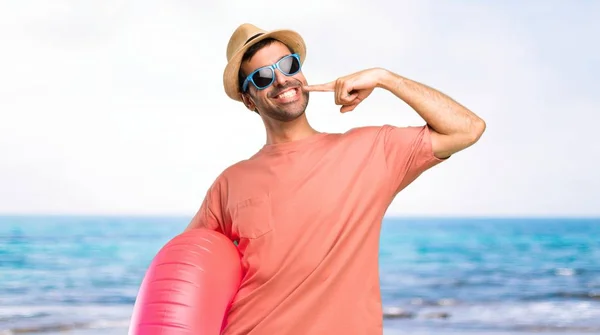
(284, 87)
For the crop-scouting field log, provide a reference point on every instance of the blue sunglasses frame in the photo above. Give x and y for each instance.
(272, 68)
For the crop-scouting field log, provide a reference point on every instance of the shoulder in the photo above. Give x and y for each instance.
(362, 133)
(233, 170)
(355, 135)
(381, 130)
(388, 131)
(387, 137)
(379, 133)
(237, 172)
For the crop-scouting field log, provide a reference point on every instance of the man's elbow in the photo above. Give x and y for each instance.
(463, 140)
(445, 146)
(476, 131)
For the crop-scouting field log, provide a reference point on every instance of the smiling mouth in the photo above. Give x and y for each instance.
(287, 95)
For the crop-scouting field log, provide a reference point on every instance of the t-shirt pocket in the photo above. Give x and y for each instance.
(252, 217)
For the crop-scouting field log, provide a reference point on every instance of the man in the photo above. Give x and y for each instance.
(306, 209)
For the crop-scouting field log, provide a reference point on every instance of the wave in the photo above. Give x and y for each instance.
(39, 319)
(66, 327)
(558, 329)
(595, 296)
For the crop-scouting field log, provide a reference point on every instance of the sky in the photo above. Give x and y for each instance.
(117, 107)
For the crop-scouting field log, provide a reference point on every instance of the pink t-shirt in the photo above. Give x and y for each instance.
(307, 216)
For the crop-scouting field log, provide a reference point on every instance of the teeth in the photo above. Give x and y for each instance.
(287, 94)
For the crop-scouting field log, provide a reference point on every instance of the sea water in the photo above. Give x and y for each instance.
(437, 275)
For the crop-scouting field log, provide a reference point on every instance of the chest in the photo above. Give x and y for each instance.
(306, 192)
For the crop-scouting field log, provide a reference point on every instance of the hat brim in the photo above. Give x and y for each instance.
(230, 76)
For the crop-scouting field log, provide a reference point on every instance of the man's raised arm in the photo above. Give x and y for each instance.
(454, 127)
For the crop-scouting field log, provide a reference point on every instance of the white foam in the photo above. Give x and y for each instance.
(532, 313)
(564, 272)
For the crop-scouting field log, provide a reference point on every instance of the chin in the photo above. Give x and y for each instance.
(288, 111)
(286, 115)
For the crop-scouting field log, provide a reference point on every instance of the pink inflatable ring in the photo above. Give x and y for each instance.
(188, 287)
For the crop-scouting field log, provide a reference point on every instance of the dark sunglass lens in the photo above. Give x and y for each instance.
(289, 65)
(263, 77)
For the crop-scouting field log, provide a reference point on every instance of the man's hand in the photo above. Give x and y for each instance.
(351, 90)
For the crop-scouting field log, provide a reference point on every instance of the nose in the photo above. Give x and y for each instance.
(280, 78)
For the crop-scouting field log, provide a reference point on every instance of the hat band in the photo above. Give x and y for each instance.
(253, 37)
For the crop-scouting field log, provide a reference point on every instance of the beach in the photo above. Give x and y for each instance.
(80, 275)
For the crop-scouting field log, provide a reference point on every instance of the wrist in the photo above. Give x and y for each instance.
(387, 79)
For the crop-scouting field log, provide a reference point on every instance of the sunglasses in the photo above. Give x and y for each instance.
(264, 76)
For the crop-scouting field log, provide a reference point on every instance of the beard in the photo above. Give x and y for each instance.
(289, 111)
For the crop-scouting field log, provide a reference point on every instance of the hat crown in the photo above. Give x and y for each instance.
(240, 37)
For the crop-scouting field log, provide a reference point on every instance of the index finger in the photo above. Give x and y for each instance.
(329, 87)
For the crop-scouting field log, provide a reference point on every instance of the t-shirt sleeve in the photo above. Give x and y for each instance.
(210, 213)
(408, 153)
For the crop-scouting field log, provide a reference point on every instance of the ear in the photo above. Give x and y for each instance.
(248, 102)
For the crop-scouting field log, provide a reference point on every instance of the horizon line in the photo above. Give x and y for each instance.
(387, 216)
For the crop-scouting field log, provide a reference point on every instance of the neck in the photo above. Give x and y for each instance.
(280, 132)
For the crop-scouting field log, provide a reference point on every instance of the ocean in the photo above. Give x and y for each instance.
(438, 275)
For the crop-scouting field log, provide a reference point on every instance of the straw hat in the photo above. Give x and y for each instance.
(243, 38)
